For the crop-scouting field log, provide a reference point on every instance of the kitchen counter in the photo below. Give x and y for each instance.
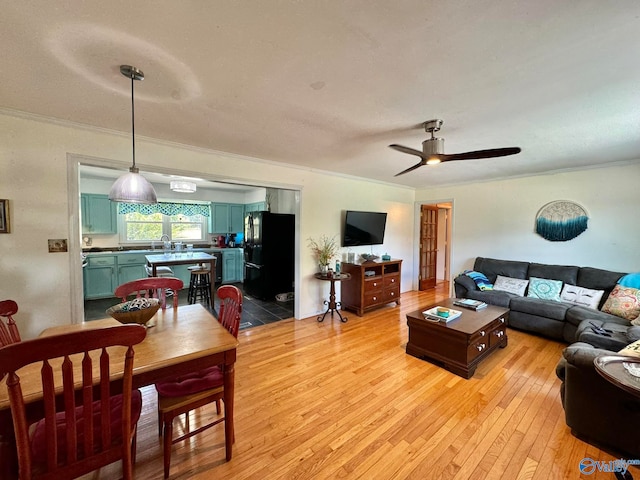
(99, 251)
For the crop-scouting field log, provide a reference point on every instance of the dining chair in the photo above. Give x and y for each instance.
(8, 331)
(155, 287)
(86, 425)
(182, 394)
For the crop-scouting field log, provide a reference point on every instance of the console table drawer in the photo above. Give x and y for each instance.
(391, 294)
(373, 284)
(372, 298)
(391, 280)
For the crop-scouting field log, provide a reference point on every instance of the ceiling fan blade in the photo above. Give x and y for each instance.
(491, 153)
(410, 151)
(409, 169)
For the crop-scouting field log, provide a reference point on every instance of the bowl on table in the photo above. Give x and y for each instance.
(139, 311)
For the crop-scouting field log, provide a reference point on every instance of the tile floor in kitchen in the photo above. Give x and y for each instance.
(254, 311)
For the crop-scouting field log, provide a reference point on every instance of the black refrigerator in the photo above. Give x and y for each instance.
(268, 254)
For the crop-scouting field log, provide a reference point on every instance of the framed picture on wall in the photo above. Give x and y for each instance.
(5, 226)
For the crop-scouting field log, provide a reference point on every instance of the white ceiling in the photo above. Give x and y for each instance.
(330, 84)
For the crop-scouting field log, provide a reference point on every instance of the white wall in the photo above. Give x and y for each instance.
(497, 219)
(33, 176)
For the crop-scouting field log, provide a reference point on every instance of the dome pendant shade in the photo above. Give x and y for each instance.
(132, 187)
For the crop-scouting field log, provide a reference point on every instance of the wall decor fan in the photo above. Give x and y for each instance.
(433, 150)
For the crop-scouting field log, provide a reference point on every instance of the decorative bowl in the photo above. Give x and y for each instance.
(139, 311)
(368, 257)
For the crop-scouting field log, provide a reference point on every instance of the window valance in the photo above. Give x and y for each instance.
(167, 208)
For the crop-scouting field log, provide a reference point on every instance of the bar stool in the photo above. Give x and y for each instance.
(199, 285)
(161, 271)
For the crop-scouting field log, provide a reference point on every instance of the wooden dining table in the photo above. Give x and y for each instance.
(184, 258)
(181, 340)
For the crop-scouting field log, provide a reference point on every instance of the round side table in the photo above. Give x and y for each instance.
(332, 305)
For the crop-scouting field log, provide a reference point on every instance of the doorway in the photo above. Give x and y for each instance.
(434, 245)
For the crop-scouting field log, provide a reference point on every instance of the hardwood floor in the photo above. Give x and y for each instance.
(333, 400)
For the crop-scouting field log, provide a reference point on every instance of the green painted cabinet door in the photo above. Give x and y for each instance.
(99, 277)
(228, 267)
(240, 265)
(183, 273)
(255, 207)
(131, 267)
(227, 218)
(98, 214)
(236, 218)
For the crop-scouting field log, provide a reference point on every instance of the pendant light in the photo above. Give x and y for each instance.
(132, 187)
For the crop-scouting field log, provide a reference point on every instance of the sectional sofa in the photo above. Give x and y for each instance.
(557, 320)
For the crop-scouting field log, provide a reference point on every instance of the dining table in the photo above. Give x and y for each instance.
(183, 258)
(179, 340)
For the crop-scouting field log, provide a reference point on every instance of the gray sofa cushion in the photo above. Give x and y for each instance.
(576, 314)
(492, 267)
(567, 274)
(541, 308)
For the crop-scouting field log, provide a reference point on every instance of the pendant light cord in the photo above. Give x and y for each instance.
(133, 123)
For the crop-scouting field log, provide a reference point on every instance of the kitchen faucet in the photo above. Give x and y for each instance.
(164, 237)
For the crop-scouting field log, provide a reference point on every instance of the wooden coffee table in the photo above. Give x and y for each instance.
(460, 344)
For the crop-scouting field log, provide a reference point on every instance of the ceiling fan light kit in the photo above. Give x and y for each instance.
(433, 150)
(132, 187)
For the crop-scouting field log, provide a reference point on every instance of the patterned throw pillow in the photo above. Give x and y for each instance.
(581, 296)
(481, 279)
(544, 289)
(624, 302)
(516, 286)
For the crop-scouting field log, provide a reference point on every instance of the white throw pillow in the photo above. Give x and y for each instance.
(511, 285)
(581, 296)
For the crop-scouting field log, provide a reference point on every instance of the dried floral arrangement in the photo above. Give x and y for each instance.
(324, 249)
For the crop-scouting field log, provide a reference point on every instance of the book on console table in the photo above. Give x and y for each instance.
(470, 304)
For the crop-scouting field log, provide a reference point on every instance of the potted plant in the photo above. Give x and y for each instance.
(324, 250)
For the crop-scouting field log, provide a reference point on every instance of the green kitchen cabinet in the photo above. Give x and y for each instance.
(131, 266)
(99, 277)
(98, 214)
(227, 218)
(255, 207)
(232, 265)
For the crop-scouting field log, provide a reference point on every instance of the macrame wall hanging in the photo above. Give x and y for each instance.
(561, 220)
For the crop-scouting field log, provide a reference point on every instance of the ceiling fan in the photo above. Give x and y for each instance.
(433, 150)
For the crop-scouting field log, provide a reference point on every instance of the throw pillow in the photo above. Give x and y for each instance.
(633, 349)
(516, 286)
(581, 296)
(624, 302)
(481, 279)
(544, 289)
(630, 280)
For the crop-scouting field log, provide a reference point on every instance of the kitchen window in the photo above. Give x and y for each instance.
(181, 222)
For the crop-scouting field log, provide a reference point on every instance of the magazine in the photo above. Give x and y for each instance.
(469, 303)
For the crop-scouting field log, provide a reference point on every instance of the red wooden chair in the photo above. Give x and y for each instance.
(8, 332)
(87, 428)
(155, 287)
(185, 393)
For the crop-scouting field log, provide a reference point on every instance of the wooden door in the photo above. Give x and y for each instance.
(428, 246)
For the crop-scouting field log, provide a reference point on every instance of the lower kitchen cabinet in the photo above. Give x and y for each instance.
(99, 277)
(232, 265)
(131, 266)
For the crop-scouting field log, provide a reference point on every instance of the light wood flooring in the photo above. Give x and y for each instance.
(332, 400)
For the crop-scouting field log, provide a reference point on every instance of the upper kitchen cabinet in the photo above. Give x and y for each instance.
(227, 218)
(255, 207)
(98, 214)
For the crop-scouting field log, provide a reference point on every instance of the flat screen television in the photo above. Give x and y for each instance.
(363, 228)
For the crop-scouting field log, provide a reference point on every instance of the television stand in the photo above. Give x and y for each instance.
(373, 284)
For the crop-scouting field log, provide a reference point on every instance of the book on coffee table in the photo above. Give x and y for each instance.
(470, 304)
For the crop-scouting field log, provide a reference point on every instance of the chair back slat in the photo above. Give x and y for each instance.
(8, 333)
(156, 285)
(230, 308)
(82, 454)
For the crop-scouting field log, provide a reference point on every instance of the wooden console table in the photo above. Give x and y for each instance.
(372, 285)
